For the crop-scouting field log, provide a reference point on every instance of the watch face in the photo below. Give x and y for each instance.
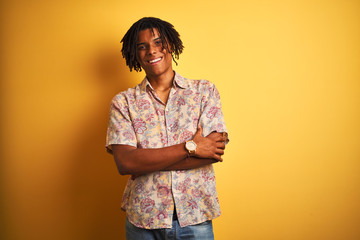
(191, 146)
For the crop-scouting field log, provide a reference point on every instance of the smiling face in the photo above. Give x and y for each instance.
(152, 56)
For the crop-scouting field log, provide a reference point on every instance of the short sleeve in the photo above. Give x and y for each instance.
(211, 118)
(120, 129)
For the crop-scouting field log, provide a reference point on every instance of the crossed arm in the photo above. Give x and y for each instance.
(134, 161)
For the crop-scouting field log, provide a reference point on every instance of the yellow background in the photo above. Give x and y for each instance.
(289, 77)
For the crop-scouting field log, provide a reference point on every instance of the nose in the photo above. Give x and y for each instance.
(152, 49)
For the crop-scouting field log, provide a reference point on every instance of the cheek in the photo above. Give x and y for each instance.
(169, 58)
(139, 58)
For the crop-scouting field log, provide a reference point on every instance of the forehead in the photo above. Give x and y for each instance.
(148, 34)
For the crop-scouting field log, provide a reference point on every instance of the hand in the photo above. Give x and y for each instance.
(224, 135)
(212, 146)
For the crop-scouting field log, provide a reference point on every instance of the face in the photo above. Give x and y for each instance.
(153, 58)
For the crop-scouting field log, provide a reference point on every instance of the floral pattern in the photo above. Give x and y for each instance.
(138, 118)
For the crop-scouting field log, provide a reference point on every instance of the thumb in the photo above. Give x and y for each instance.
(199, 131)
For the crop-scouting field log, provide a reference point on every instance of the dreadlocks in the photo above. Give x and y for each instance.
(168, 35)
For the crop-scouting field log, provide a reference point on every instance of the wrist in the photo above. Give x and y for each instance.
(190, 147)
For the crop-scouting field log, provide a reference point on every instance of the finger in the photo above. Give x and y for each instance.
(218, 157)
(219, 151)
(215, 136)
(225, 136)
(219, 138)
(220, 145)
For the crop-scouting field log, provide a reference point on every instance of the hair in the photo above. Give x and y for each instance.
(168, 35)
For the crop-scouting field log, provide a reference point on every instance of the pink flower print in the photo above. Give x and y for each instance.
(118, 126)
(149, 222)
(186, 135)
(143, 104)
(175, 137)
(206, 175)
(180, 101)
(136, 200)
(213, 112)
(160, 112)
(196, 84)
(195, 121)
(139, 125)
(182, 186)
(166, 201)
(203, 212)
(130, 96)
(147, 205)
(219, 127)
(173, 127)
(208, 202)
(163, 138)
(124, 109)
(156, 176)
(192, 204)
(196, 193)
(144, 144)
(162, 191)
(196, 98)
(187, 181)
(149, 117)
(188, 92)
(128, 135)
(139, 188)
(161, 215)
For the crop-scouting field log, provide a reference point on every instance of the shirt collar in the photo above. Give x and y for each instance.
(179, 81)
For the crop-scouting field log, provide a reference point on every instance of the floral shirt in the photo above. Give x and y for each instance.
(139, 118)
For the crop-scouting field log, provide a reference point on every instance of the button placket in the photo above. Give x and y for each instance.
(168, 128)
(168, 108)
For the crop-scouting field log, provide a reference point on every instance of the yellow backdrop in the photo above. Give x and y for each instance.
(289, 77)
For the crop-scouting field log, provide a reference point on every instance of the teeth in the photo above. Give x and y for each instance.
(155, 60)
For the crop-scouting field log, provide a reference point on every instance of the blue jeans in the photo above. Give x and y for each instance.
(202, 231)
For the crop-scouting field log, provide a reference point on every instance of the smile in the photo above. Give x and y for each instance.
(155, 60)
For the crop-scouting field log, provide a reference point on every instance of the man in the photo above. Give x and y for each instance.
(156, 134)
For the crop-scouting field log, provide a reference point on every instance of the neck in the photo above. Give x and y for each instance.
(162, 82)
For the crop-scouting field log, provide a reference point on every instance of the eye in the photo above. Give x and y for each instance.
(141, 47)
(158, 42)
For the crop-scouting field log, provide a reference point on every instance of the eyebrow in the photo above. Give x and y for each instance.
(155, 39)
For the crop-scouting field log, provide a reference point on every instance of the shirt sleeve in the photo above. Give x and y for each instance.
(120, 129)
(212, 118)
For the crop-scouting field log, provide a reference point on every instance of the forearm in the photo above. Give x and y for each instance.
(190, 163)
(135, 161)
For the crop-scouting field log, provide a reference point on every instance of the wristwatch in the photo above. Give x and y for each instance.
(190, 147)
